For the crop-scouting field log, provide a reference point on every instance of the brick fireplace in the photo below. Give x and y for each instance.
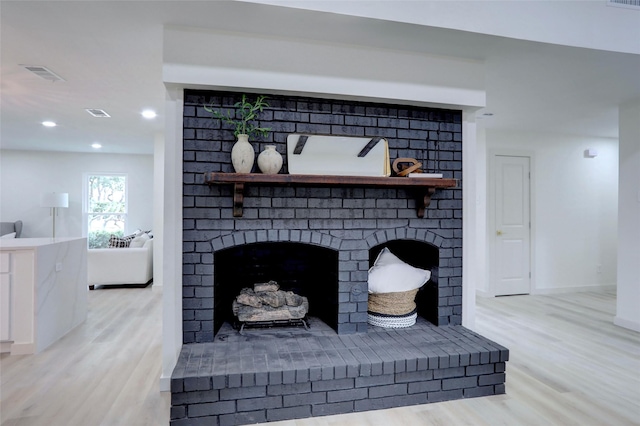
(321, 241)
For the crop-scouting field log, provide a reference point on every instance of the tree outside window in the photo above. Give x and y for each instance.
(106, 208)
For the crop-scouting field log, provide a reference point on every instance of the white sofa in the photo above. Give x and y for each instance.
(120, 266)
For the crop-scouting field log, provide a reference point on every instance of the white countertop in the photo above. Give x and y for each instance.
(29, 243)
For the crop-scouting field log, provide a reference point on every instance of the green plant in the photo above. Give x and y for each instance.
(100, 239)
(247, 112)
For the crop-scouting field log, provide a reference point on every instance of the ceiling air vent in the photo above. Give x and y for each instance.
(631, 4)
(43, 72)
(100, 113)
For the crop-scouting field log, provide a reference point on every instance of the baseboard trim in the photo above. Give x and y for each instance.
(23, 348)
(5, 346)
(625, 323)
(580, 289)
(484, 294)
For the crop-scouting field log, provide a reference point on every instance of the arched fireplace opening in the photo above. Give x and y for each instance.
(420, 255)
(305, 269)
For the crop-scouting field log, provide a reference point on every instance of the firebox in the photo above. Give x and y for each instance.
(307, 270)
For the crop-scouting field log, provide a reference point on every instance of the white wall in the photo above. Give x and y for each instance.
(158, 210)
(306, 67)
(26, 175)
(172, 237)
(574, 208)
(481, 275)
(471, 232)
(590, 24)
(628, 314)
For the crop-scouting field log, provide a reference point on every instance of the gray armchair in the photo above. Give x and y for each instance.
(9, 227)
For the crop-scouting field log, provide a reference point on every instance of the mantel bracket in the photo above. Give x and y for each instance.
(238, 199)
(424, 200)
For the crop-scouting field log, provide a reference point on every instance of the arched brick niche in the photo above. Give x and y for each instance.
(420, 255)
(306, 269)
(306, 262)
(440, 300)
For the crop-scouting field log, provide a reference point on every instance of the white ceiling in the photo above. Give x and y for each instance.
(110, 54)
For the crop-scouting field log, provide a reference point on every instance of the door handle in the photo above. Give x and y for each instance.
(498, 233)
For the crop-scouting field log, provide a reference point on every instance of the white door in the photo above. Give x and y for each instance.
(512, 234)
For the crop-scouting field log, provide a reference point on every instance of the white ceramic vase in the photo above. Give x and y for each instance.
(270, 160)
(242, 155)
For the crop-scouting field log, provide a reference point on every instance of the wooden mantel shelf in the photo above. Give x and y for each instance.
(425, 186)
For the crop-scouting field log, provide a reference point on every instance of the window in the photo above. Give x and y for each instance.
(105, 208)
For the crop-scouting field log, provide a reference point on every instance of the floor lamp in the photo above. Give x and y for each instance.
(55, 201)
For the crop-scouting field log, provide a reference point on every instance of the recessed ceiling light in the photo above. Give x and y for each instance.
(96, 145)
(147, 113)
(49, 124)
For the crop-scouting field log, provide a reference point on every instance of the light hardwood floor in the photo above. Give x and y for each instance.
(569, 365)
(105, 372)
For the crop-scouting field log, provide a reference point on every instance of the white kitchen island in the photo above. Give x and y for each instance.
(43, 292)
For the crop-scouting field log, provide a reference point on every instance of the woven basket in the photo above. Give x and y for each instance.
(392, 321)
(396, 303)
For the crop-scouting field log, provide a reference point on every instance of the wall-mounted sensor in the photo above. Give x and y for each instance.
(590, 153)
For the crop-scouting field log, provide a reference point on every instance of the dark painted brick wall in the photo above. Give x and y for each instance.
(350, 220)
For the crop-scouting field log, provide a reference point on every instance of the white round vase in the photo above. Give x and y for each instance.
(270, 160)
(242, 155)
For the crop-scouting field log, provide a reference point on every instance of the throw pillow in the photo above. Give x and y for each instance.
(116, 242)
(139, 241)
(387, 258)
(390, 274)
(11, 235)
(138, 232)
